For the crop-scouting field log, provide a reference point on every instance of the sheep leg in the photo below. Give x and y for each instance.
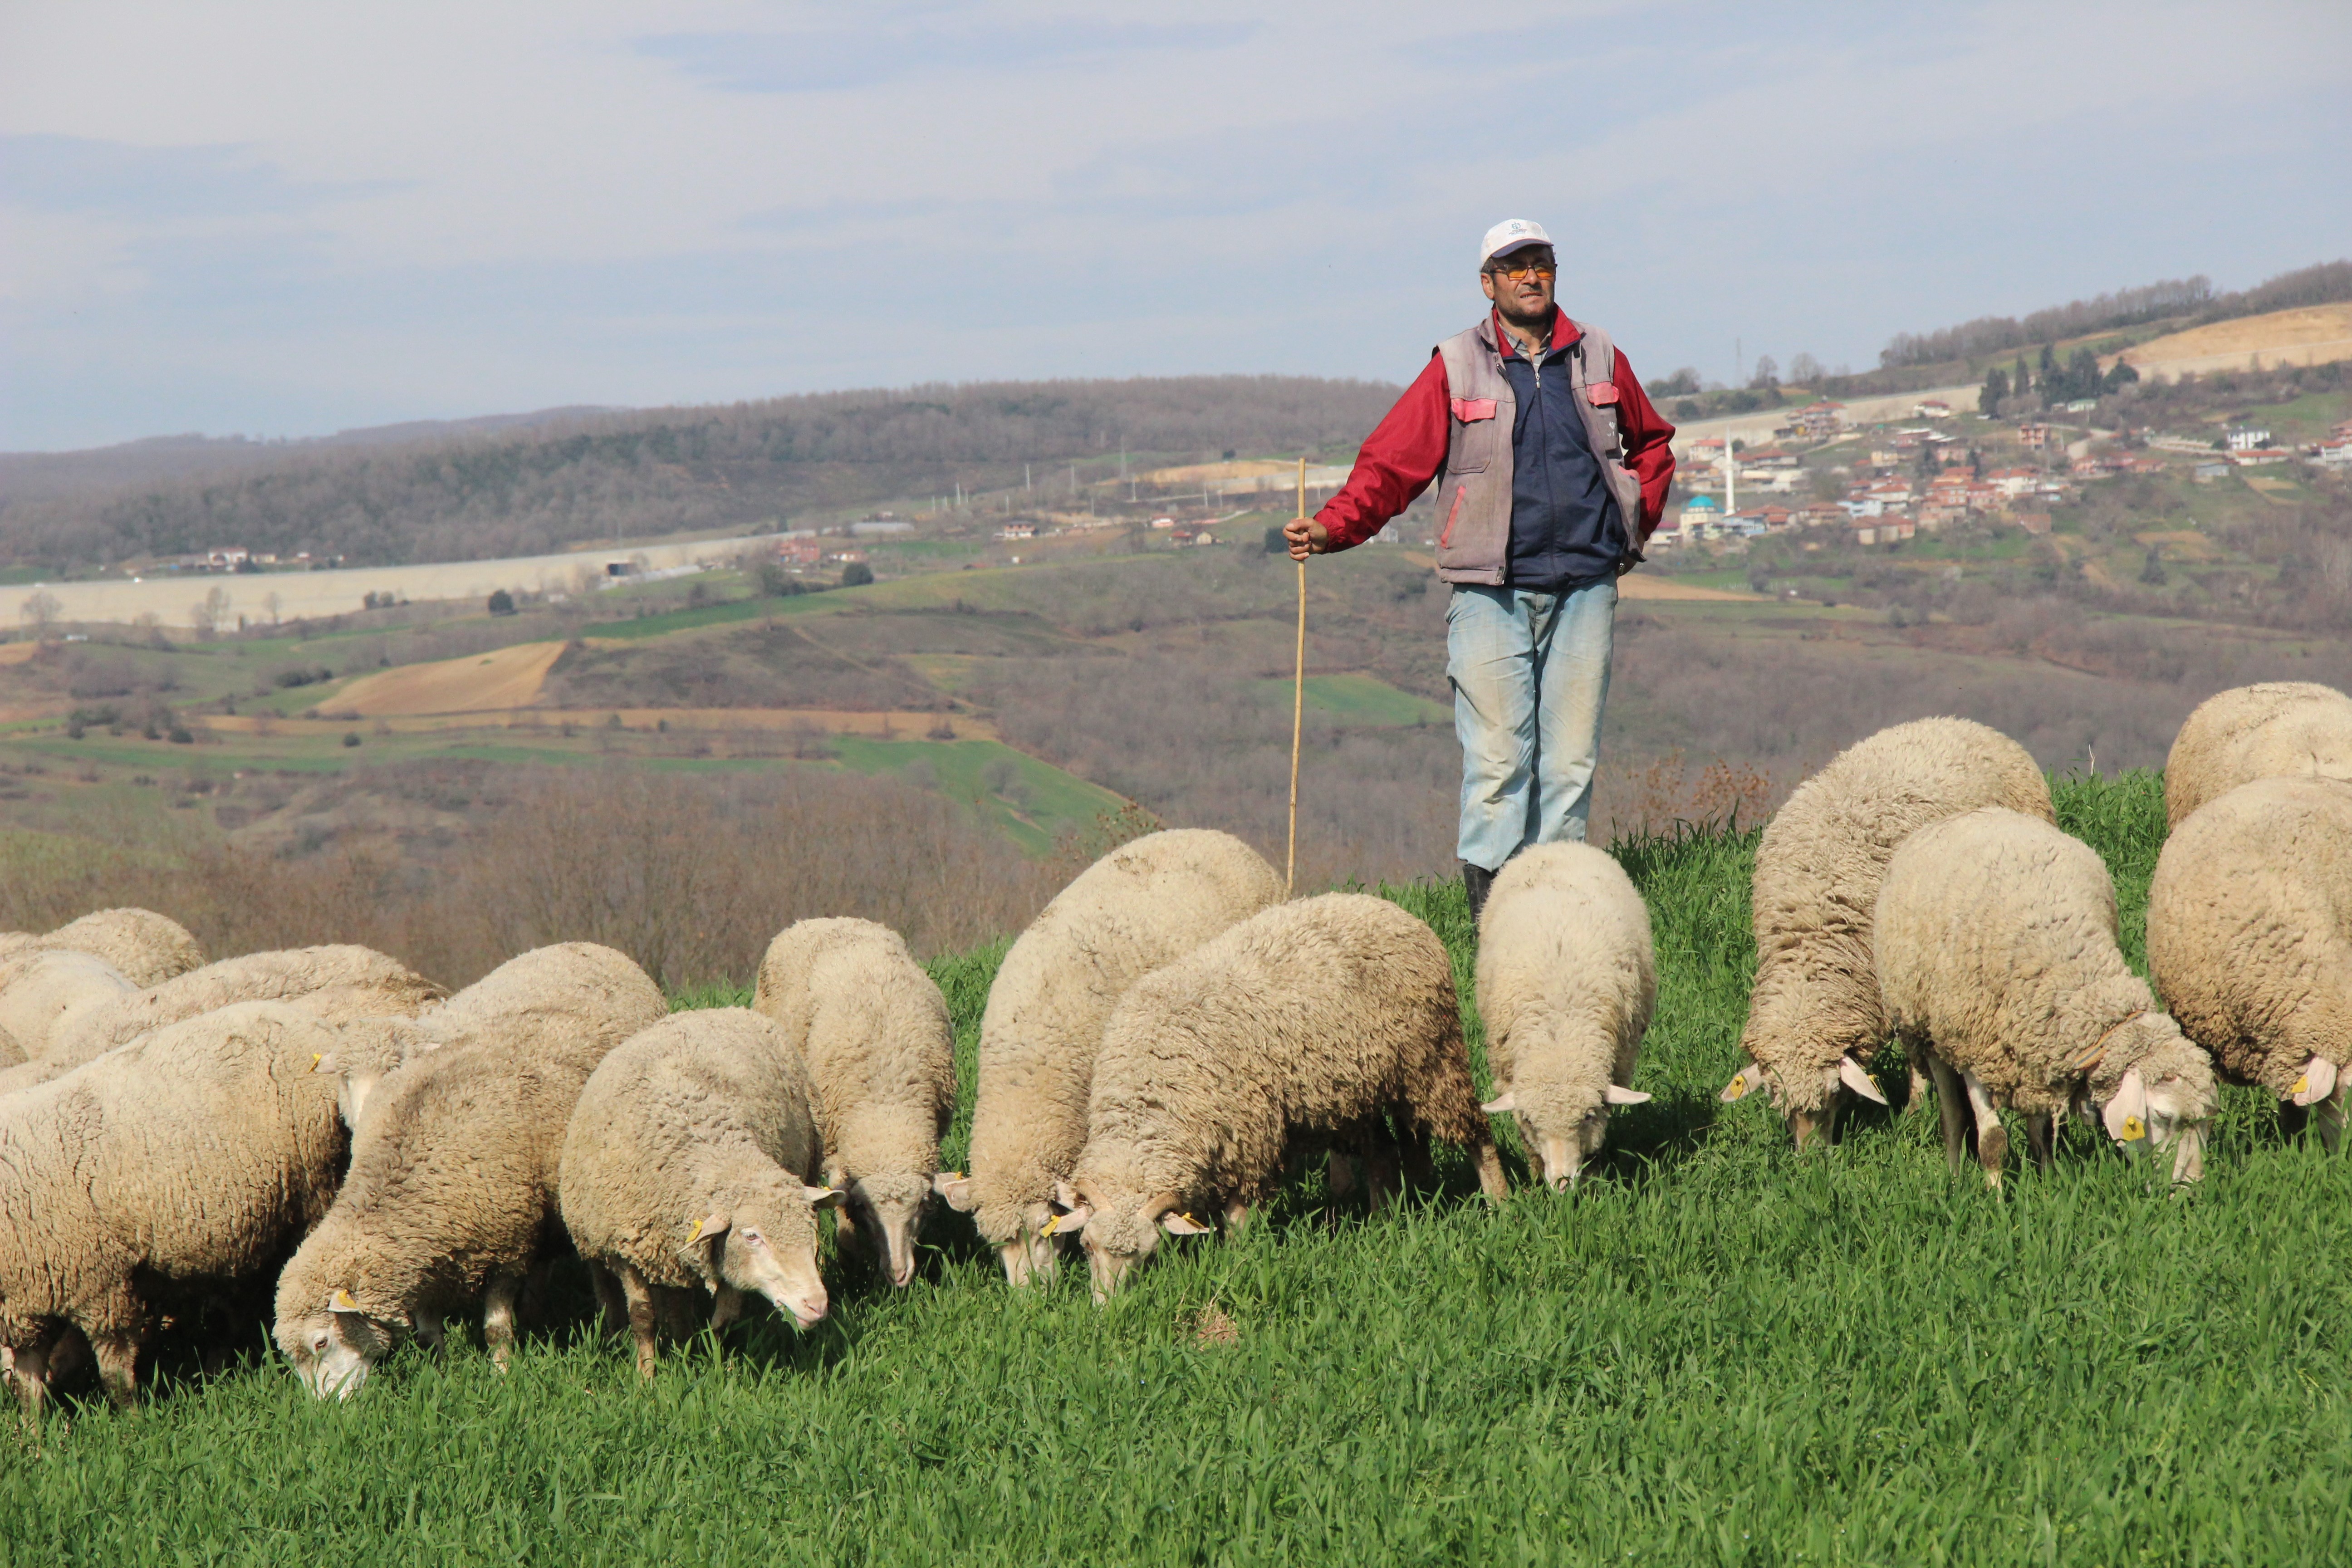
(2328, 1115)
(29, 1369)
(431, 1331)
(1993, 1138)
(726, 1306)
(1340, 1174)
(498, 1316)
(1491, 1180)
(1918, 1090)
(117, 1354)
(2039, 1141)
(678, 1315)
(609, 1300)
(640, 1298)
(2291, 1120)
(1420, 1170)
(1954, 1111)
(1380, 1167)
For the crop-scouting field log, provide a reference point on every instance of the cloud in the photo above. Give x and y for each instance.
(838, 58)
(77, 174)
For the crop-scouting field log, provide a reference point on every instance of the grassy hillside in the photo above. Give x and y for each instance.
(1716, 1352)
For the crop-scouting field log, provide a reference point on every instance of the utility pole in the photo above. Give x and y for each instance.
(1025, 483)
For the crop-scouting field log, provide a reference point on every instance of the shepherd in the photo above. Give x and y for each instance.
(1556, 470)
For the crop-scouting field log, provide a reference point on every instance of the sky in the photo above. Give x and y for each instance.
(287, 219)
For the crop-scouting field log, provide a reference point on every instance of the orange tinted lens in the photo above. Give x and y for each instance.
(1521, 274)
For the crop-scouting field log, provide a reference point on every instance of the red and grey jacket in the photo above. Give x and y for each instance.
(1457, 419)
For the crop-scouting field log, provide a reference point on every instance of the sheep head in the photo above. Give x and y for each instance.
(1563, 1123)
(2165, 1096)
(886, 1207)
(765, 1241)
(1121, 1228)
(335, 1346)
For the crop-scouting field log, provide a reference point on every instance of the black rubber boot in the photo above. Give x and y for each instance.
(1475, 881)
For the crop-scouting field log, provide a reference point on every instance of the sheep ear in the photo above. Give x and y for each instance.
(956, 1187)
(1501, 1104)
(324, 1061)
(1744, 1082)
(1849, 1074)
(1182, 1225)
(1069, 1224)
(342, 1301)
(1066, 1194)
(1618, 1094)
(709, 1225)
(823, 1197)
(2125, 1116)
(2317, 1082)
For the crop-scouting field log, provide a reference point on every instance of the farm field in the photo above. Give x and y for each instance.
(1717, 1352)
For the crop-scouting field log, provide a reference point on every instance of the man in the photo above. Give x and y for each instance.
(1556, 471)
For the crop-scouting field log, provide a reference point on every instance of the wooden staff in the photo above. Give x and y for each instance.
(1298, 707)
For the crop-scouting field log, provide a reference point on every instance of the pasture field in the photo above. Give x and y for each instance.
(1717, 1351)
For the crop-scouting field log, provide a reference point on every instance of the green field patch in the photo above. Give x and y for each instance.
(1034, 801)
(723, 614)
(1361, 699)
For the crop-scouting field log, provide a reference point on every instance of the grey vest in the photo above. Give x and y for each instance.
(1473, 508)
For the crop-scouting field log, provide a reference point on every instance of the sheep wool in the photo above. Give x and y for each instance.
(452, 1187)
(1814, 1007)
(1566, 981)
(576, 999)
(45, 992)
(849, 998)
(1309, 1021)
(2272, 729)
(146, 947)
(330, 983)
(1145, 904)
(1996, 948)
(2250, 937)
(191, 1159)
(685, 1166)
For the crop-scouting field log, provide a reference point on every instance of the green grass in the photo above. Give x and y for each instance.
(1361, 699)
(1718, 1352)
(1031, 802)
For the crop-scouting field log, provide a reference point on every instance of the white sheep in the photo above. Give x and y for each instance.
(1312, 1022)
(146, 947)
(45, 992)
(2250, 938)
(1996, 949)
(2272, 730)
(452, 1191)
(1145, 904)
(190, 1159)
(330, 983)
(1813, 1015)
(852, 1002)
(1567, 980)
(685, 1167)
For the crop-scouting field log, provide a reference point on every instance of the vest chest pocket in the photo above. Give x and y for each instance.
(1479, 430)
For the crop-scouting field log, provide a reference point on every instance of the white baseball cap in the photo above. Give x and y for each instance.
(1510, 235)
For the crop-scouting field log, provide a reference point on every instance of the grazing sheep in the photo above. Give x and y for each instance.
(570, 997)
(2250, 937)
(148, 948)
(1996, 949)
(1814, 1012)
(1309, 1021)
(1567, 980)
(452, 1191)
(2273, 730)
(685, 1166)
(330, 983)
(1146, 903)
(189, 1160)
(45, 992)
(853, 1002)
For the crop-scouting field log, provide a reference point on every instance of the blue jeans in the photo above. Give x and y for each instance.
(1530, 673)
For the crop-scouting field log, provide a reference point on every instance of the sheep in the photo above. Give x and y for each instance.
(874, 1031)
(2250, 938)
(189, 1160)
(328, 983)
(1996, 948)
(1309, 1020)
(570, 996)
(1814, 1009)
(1567, 980)
(685, 1167)
(148, 948)
(1146, 903)
(2267, 730)
(45, 992)
(452, 1191)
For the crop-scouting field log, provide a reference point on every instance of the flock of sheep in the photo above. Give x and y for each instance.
(1165, 1042)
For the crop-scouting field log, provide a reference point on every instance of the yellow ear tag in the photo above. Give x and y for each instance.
(1050, 1225)
(318, 1057)
(2301, 1085)
(2133, 1128)
(1189, 1219)
(342, 1301)
(1739, 1087)
(697, 1235)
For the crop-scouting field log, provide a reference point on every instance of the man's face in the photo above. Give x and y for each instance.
(1520, 281)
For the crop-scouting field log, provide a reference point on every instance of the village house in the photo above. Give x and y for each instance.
(1017, 531)
(1892, 530)
(2207, 472)
(2248, 439)
(2034, 438)
(1700, 513)
(1933, 408)
(1819, 514)
(1819, 421)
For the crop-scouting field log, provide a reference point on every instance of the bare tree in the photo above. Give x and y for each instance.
(41, 612)
(207, 615)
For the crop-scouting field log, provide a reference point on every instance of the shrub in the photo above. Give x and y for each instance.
(501, 602)
(351, 737)
(857, 575)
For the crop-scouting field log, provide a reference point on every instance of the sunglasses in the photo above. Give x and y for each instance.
(1520, 271)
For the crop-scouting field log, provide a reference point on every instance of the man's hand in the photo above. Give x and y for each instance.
(1307, 537)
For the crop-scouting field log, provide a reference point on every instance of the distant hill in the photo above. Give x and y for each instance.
(483, 489)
